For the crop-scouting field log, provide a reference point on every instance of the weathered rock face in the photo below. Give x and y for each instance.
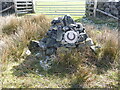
(64, 32)
(109, 7)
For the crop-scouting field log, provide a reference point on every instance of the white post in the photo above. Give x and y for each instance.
(95, 7)
(15, 6)
(0, 8)
(34, 1)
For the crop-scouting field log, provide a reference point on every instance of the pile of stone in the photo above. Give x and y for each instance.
(109, 7)
(64, 32)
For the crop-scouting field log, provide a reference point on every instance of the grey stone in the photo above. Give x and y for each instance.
(95, 48)
(65, 28)
(70, 45)
(59, 35)
(50, 51)
(51, 43)
(42, 45)
(67, 20)
(34, 46)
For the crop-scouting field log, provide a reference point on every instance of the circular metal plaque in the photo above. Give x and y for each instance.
(70, 36)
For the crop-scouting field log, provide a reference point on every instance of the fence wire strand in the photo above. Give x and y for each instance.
(6, 9)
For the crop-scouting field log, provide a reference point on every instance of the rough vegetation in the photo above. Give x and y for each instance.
(72, 68)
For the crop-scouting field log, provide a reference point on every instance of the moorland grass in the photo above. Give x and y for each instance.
(73, 67)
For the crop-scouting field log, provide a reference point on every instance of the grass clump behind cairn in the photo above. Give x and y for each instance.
(11, 26)
(26, 30)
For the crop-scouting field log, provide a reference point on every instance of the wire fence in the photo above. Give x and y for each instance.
(93, 7)
(6, 8)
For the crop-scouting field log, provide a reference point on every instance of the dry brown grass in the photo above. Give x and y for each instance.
(25, 30)
(108, 40)
(82, 65)
(11, 27)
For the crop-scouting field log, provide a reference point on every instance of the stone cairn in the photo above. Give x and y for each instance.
(64, 32)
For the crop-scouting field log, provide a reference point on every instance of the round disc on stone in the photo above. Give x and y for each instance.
(71, 36)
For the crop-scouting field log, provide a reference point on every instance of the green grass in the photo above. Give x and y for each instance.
(59, 3)
(60, 11)
(54, 16)
(60, 7)
(109, 22)
(16, 77)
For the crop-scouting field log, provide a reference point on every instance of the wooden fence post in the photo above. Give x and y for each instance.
(34, 1)
(0, 8)
(15, 7)
(95, 7)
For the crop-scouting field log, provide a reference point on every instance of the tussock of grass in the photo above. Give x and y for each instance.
(69, 59)
(73, 68)
(10, 27)
(108, 40)
(26, 31)
(82, 77)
